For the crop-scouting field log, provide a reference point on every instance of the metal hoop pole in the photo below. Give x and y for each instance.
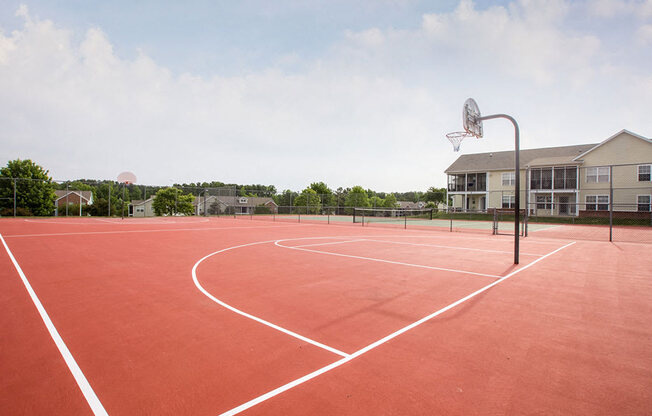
(517, 179)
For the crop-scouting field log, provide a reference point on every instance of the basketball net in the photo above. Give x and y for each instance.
(456, 139)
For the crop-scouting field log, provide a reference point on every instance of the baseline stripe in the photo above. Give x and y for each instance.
(150, 231)
(356, 354)
(448, 247)
(389, 261)
(82, 382)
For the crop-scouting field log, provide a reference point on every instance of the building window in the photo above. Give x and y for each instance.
(566, 178)
(597, 175)
(644, 203)
(456, 183)
(508, 201)
(644, 173)
(541, 178)
(546, 178)
(509, 178)
(544, 202)
(597, 202)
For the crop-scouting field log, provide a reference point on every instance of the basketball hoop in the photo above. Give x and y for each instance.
(456, 139)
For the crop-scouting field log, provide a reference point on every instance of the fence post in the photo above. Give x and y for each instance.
(14, 197)
(67, 198)
(109, 199)
(526, 217)
(611, 202)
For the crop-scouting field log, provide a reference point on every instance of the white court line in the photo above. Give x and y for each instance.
(77, 373)
(544, 229)
(145, 221)
(421, 266)
(389, 337)
(255, 318)
(150, 231)
(449, 247)
(101, 220)
(130, 220)
(327, 244)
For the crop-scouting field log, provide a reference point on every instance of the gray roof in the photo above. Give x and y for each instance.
(479, 162)
(408, 205)
(87, 195)
(252, 201)
(141, 201)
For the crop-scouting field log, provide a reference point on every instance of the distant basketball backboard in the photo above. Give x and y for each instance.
(127, 178)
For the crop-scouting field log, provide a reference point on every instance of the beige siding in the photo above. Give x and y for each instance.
(497, 189)
(622, 149)
(144, 210)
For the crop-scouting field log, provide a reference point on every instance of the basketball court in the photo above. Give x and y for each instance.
(211, 316)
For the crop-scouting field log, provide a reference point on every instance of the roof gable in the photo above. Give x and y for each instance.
(85, 195)
(623, 131)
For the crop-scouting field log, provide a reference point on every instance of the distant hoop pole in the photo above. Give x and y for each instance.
(125, 178)
(517, 179)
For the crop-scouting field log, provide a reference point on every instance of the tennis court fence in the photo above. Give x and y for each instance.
(616, 209)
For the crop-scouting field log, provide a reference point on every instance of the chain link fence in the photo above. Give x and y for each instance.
(603, 203)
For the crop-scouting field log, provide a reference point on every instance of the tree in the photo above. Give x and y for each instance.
(101, 196)
(376, 202)
(34, 188)
(309, 199)
(435, 194)
(340, 196)
(171, 201)
(357, 197)
(326, 194)
(286, 199)
(390, 201)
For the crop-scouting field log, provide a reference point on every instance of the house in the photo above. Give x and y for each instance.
(215, 205)
(410, 205)
(575, 180)
(142, 208)
(69, 197)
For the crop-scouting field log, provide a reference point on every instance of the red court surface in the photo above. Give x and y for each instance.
(196, 316)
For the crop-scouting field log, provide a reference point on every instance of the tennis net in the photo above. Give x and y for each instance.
(391, 215)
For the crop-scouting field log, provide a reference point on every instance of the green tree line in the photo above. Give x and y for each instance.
(34, 192)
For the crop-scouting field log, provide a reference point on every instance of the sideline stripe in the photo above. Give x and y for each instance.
(356, 354)
(255, 318)
(83, 384)
(389, 261)
(449, 247)
(151, 231)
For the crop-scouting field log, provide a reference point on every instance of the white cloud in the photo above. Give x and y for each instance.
(525, 40)
(609, 8)
(85, 112)
(641, 9)
(644, 34)
(373, 111)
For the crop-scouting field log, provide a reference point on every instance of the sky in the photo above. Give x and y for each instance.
(291, 92)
